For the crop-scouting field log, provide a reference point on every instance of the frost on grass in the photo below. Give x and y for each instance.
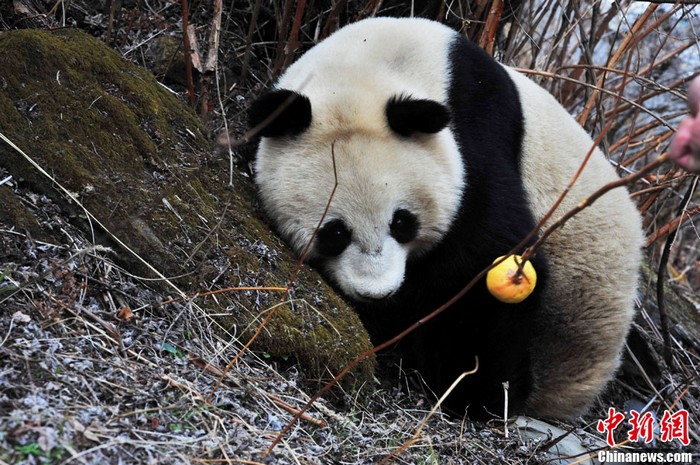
(144, 180)
(82, 383)
(75, 382)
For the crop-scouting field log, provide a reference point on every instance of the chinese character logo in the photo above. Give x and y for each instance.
(609, 424)
(675, 426)
(642, 425)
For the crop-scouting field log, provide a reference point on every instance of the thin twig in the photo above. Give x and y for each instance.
(661, 277)
(287, 290)
(449, 390)
(187, 53)
(627, 180)
(589, 201)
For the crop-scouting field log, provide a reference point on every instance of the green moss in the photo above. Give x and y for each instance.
(18, 214)
(140, 161)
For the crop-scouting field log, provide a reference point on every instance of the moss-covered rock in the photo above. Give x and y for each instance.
(142, 164)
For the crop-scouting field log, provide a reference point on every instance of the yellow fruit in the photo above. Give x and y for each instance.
(509, 284)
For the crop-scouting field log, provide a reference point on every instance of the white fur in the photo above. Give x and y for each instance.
(370, 275)
(594, 259)
(375, 178)
(377, 172)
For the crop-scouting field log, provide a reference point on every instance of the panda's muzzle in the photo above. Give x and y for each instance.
(370, 276)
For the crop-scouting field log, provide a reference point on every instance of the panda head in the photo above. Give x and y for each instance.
(399, 172)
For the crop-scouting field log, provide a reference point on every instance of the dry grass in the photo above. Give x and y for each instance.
(138, 389)
(84, 381)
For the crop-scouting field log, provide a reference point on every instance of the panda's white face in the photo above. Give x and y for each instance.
(375, 97)
(396, 198)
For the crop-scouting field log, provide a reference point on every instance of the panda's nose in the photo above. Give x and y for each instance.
(370, 296)
(371, 251)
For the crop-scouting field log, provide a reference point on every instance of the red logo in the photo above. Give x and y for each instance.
(642, 427)
(672, 426)
(675, 426)
(609, 424)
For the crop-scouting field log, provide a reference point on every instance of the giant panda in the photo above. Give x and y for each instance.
(445, 160)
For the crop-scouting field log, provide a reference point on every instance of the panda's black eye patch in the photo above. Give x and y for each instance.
(404, 226)
(407, 116)
(333, 238)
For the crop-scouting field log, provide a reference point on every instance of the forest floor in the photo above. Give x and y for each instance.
(82, 381)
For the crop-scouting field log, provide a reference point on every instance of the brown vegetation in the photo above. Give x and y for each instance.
(81, 380)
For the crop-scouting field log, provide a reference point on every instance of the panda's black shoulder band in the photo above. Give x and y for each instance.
(280, 112)
(407, 116)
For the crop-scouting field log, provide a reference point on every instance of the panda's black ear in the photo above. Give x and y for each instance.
(279, 113)
(407, 115)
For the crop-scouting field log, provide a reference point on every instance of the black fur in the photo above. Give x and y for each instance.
(333, 238)
(283, 113)
(404, 226)
(494, 217)
(407, 116)
(484, 111)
